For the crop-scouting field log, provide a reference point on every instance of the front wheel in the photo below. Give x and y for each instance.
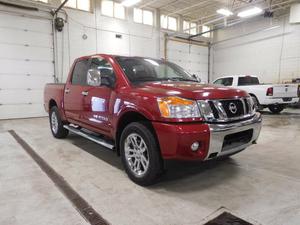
(140, 154)
(276, 108)
(56, 124)
(257, 106)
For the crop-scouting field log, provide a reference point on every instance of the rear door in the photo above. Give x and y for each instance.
(75, 91)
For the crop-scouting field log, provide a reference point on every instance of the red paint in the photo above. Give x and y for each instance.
(175, 136)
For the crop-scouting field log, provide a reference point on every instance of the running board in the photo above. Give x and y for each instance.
(91, 137)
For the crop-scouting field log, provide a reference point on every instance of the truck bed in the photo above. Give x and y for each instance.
(53, 91)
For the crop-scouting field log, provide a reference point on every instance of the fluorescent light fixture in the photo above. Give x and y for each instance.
(250, 12)
(225, 12)
(128, 3)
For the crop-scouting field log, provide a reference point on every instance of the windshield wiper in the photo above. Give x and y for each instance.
(181, 79)
(145, 80)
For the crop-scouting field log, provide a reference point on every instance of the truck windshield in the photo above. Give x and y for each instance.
(248, 80)
(145, 69)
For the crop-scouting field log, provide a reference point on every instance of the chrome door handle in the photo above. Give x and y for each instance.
(67, 91)
(85, 93)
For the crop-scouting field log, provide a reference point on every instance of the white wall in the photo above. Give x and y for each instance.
(273, 54)
(193, 58)
(137, 39)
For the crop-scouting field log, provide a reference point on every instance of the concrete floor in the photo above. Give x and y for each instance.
(261, 184)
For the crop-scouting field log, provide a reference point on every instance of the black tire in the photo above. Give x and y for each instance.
(276, 109)
(59, 131)
(257, 106)
(155, 162)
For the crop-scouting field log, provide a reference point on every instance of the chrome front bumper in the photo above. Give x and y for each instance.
(219, 131)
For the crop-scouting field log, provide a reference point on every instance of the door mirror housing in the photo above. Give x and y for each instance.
(197, 78)
(97, 78)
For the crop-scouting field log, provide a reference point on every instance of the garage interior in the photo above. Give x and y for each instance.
(44, 180)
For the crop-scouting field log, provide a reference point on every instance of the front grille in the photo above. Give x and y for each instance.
(233, 108)
(226, 110)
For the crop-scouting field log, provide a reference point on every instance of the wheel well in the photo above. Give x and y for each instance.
(52, 103)
(253, 95)
(128, 118)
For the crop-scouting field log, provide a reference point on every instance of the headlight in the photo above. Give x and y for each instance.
(175, 107)
(206, 110)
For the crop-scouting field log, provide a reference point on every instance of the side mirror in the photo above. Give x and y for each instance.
(197, 78)
(93, 78)
(96, 78)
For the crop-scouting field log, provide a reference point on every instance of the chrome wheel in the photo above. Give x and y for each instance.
(54, 123)
(136, 154)
(255, 102)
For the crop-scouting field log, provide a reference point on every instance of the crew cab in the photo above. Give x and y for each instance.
(148, 111)
(273, 96)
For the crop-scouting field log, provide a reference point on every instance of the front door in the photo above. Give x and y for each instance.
(97, 111)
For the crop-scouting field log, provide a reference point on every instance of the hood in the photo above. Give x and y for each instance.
(190, 90)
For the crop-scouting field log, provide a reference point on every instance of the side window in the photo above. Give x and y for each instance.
(224, 81)
(248, 80)
(80, 72)
(219, 82)
(103, 66)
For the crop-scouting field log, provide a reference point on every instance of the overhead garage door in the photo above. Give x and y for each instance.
(191, 57)
(26, 65)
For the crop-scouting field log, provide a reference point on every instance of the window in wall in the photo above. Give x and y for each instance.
(186, 27)
(164, 21)
(143, 16)
(205, 29)
(79, 4)
(189, 27)
(168, 22)
(172, 23)
(193, 28)
(119, 11)
(112, 9)
(107, 8)
(148, 17)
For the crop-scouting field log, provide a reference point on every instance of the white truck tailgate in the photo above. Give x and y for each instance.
(285, 91)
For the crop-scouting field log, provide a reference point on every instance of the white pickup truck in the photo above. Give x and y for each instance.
(273, 96)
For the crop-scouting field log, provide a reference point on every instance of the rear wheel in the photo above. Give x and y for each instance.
(56, 124)
(276, 108)
(140, 154)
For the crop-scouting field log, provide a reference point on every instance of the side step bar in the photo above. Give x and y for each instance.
(91, 137)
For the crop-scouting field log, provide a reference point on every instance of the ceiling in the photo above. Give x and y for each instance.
(204, 11)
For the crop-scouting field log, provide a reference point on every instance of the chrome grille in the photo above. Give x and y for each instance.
(224, 110)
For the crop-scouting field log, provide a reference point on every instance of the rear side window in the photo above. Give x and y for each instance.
(224, 81)
(80, 72)
(243, 81)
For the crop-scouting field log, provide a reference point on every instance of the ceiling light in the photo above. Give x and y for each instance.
(128, 3)
(250, 12)
(225, 12)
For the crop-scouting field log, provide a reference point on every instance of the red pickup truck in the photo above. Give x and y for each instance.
(149, 110)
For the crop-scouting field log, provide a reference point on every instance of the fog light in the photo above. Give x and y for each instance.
(195, 146)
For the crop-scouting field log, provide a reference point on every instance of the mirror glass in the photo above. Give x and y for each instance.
(94, 78)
